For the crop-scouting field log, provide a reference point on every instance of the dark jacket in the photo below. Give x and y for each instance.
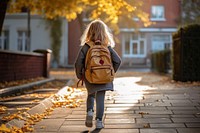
(80, 64)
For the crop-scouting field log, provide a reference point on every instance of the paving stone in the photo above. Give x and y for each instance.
(74, 122)
(157, 104)
(178, 101)
(73, 128)
(79, 112)
(193, 124)
(188, 130)
(57, 116)
(119, 121)
(122, 108)
(153, 120)
(119, 131)
(126, 101)
(182, 116)
(169, 125)
(153, 108)
(185, 104)
(156, 96)
(178, 96)
(126, 125)
(158, 131)
(149, 100)
(124, 105)
(119, 111)
(15, 123)
(165, 112)
(60, 113)
(122, 116)
(109, 101)
(48, 125)
(155, 116)
(182, 108)
(75, 116)
(178, 120)
(185, 112)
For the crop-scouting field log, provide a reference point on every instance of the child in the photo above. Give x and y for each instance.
(97, 32)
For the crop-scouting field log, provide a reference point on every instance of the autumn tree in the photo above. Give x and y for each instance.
(111, 12)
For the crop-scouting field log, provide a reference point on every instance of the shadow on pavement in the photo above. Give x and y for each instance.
(96, 130)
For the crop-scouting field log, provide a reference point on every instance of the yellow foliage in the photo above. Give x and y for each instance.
(107, 10)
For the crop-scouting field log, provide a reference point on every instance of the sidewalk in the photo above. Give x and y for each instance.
(141, 103)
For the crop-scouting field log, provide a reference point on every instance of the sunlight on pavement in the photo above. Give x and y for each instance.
(127, 86)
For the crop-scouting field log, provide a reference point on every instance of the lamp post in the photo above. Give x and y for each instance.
(29, 29)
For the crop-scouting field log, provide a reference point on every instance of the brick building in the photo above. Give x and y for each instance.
(135, 47)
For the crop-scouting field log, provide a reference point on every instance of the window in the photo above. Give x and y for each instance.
(157, 13)
(160, 42)
(134, 45)
(22, 43)
(4, 38)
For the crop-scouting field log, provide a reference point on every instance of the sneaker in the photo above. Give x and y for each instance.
(89, 118)
(99, 124)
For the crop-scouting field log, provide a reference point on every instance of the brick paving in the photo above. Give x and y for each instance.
(134, 108)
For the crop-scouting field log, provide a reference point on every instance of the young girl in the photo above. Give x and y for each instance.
(98, 32)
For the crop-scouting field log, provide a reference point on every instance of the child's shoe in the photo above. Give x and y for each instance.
(89, 118)
(99, 124)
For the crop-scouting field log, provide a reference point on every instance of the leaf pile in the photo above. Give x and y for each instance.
(29, 119)
(68, 97)
(19, 82)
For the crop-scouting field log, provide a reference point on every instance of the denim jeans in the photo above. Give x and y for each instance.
(100, 96)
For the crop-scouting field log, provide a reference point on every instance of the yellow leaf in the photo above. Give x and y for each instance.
(3, 128)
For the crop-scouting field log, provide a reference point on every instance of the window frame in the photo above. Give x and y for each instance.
(131, 43)
(4, 39)
(154, 16)
(24, 40)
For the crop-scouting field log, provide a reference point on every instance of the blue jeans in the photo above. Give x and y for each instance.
(100, 96)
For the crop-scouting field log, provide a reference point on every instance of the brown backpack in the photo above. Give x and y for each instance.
(98, 64)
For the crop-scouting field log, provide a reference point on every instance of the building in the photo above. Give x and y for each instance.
(135, 45)
(14, 35)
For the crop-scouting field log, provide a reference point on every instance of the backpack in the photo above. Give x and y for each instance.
(98, 64)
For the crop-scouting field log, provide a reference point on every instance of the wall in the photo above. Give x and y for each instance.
(22, 65)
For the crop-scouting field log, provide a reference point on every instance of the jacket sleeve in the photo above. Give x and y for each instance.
(80, 63)
(116, 60)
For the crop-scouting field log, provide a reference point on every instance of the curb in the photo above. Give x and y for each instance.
(41, 107)
(17, 89)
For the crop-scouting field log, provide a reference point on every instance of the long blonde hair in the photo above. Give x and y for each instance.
(97, 31)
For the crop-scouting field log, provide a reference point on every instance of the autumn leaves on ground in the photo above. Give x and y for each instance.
(70, 97)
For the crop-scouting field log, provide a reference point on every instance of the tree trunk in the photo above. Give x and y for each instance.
(3, 7)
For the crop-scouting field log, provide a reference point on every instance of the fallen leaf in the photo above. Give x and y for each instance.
(3, 128)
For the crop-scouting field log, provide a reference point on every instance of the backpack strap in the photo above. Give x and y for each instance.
(90, 43)
(80, 80)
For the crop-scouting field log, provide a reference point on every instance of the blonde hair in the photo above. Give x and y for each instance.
(97, 31)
